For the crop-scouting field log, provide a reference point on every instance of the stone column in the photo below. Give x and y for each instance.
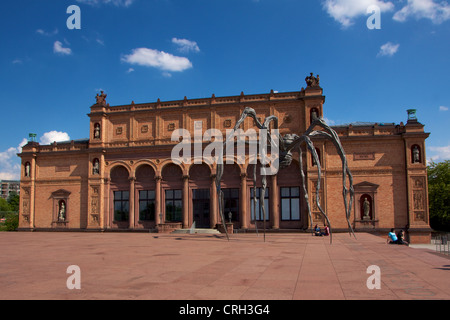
(131, 213)
(158, 200)
(213, 206)
(33, 192)
(243, 202)
(104, 215)
(185, 217)
(274, 203)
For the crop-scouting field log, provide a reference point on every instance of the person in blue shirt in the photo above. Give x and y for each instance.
(392, 237)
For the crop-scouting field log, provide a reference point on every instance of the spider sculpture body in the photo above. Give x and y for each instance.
(286, 145)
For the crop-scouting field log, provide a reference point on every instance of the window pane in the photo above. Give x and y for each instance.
(151, 194)
(169, 194)
(142, 195)
(295, 192)
(284, 192)
(235, 193)
(117, 195)
(285, 211)
(125, 195)
(177, 194)
(295, 209)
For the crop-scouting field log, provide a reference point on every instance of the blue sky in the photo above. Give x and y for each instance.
(142, 50)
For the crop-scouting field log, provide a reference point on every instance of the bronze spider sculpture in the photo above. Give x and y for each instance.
(286, 145)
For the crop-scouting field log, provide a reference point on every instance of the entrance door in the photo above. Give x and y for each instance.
(200, 205)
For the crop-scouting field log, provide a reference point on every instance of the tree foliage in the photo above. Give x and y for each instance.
(439, 195)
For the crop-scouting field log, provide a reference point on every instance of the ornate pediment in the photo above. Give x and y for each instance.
(61, 193)
(366, 185)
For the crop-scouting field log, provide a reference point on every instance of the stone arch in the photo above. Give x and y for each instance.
(112, 166)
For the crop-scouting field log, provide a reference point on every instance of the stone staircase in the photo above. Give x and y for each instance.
(196, 231)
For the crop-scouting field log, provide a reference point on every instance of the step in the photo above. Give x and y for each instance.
(197, 231)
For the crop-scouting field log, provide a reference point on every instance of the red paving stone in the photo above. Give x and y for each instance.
(208, 267)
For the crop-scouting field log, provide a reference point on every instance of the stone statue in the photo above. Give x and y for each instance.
(101, 99)
(27, 169)
(416, 155)
(62, 211)
(96, 168)
(366, 206)
(312, 81)
(97, 131)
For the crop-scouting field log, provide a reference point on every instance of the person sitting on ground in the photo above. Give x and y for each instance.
(326, 231)
(401, 238)
(317, 231)
(392, 237)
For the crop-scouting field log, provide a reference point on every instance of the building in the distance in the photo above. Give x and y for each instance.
(8, 187)
(123, 176)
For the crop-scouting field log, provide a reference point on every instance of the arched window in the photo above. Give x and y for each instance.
(120, 188)
(416, 154)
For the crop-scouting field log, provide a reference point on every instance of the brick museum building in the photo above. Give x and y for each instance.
(123, 176)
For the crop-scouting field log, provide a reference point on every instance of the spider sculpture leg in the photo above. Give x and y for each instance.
(347, 193)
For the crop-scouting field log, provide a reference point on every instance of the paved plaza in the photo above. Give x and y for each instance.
(294, 266)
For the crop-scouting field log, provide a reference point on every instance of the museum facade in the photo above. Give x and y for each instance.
(124, 177)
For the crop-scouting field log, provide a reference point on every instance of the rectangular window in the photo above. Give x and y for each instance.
(231, 204)
(146, 205)
(290, 203)
(259, 211)
(121, 205)
(174, 205)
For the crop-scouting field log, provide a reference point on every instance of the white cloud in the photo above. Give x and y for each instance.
(52, 136)
(345, 11)
(438, 154)
(17, 61)
(117, 3)
(157, 59)
(10, 163)
(58, 48)
(424, 9)
(130, 70)
(442, 108)
(46, 33)
(388, 49)
(185, 45)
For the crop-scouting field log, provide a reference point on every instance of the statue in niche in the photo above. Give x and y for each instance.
(366, 206)
(97, 131)
(101, 99)
(27, 169)
(416, 154)
(62, 211)
(312, 81)
(96, 167)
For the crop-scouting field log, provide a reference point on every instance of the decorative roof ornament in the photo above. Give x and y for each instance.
(101, 99)
(312, 81)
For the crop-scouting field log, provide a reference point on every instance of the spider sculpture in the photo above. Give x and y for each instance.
(286, 145)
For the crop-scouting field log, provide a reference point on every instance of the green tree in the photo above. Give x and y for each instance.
(439, 195)
(13, 201)
(4, 206)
